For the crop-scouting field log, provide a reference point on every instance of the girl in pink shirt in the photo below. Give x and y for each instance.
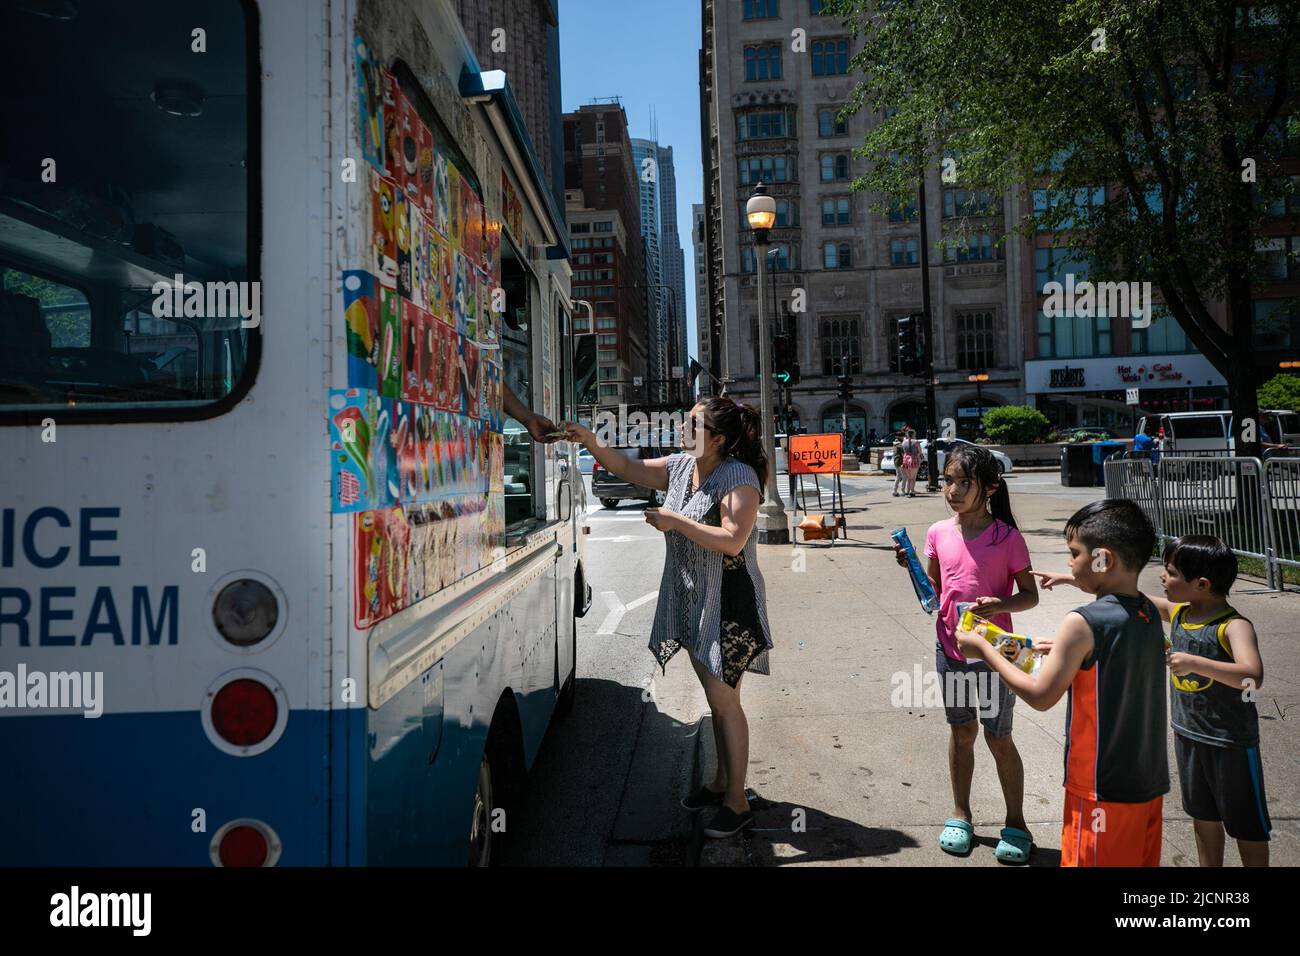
(978, 556)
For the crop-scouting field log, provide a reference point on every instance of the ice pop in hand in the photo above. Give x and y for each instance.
(920, 580)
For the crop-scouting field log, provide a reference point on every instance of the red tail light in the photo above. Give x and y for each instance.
(243, 846)
(244, 712)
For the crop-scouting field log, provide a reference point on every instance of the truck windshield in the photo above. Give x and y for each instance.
(125, 273)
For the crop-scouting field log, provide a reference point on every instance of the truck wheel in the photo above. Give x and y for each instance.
(609, 502)
(480, 833)
(657, 498)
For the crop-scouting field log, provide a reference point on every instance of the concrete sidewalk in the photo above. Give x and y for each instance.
(847, 769)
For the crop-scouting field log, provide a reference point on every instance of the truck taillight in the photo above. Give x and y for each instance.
(245, 843)
(244, 712)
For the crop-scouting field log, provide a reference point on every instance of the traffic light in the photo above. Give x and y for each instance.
(784, 369)
(845, 392)
(911, 345)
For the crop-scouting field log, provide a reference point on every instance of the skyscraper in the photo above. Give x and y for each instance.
(701, 291)
(522, 37)
(844, 275)
(674, 270)
(645, 153)
(602, 204)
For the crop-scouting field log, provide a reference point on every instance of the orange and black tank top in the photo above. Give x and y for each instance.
(1116, 723)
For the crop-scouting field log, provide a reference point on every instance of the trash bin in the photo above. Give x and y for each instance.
(1077, 467)
(1101, 451)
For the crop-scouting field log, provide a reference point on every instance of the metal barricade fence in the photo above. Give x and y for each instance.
(1229, 498)
(1282, 483)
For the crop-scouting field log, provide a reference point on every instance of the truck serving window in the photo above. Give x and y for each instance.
(128, 219)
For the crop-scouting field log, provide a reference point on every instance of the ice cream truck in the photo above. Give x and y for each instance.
(275, 588)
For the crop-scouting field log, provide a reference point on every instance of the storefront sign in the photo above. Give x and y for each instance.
(1067, 378)
(1157, 372)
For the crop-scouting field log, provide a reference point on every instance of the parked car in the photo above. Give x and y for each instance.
(942, 447)
(610, 489)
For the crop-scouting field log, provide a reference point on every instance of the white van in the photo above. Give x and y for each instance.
(1202, 432)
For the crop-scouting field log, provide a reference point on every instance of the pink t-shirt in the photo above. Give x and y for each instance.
(984, 567)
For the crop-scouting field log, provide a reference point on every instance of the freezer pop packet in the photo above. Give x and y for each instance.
(1017, 648)
(920, 580)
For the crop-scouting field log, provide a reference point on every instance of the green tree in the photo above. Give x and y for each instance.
(1177, 109)
(1014, 424)
(1281, 392)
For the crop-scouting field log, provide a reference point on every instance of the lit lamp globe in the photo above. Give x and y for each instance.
(761, 212)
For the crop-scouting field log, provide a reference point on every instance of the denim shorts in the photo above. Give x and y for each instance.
(973, 689)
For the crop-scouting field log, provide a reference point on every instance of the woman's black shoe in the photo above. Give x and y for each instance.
(702, 799)
(727, 822)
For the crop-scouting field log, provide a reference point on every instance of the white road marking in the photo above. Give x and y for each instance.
(624, 538)
(618, 609)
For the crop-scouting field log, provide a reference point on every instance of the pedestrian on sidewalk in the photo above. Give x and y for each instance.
(1213, 657)
(899, 477)
(1110, 656)
(911, 449)
(712, 598)
(978, 556)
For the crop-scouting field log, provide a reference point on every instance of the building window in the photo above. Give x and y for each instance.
(829, 123)
(763, 62)
(610, 323)
(1073, 336)
(835, 167)
(968, 203)
(762, 9)
(607, 340)
(763, 124)
(1082, 199)
(604, 226)
(975, 341)
(830, 57)
(767, 169)
(1164, 335)
(903, 211)
(817, 7)
(840, 339)
(605, 308)
(580, 327)
(1053, 265)
(606, 356)
(837, 212)
(904, 252)
(608, 391)
(837, 255)
(785, 260)
(971, 248)
(579, 228)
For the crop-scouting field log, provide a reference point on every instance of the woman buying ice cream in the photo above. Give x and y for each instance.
(711, 599)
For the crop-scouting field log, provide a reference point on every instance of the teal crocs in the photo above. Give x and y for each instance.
(957, 837)
(1015, 846)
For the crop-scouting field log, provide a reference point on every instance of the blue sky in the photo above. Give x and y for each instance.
(648, 55)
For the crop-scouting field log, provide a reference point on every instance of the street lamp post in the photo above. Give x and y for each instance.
(979, 378)
(773, 528)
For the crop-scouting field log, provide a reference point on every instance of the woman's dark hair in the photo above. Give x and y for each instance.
(741, 426)
(979, 465)
(1203, 556)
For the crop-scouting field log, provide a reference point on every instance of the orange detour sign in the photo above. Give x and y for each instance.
(816, 454)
